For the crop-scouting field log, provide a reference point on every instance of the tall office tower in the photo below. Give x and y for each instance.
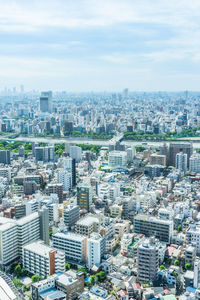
(56, 188)
(39, 153)
(71, 215)
(148, 260)
(44, 224)
(96, 249)
(84, 196)
(46, 102)
(75, 152)
(194, 165)
(181, 161)
(175, 148)
(42, 260)
(68, 127)
(69, 165)
(65, 178)
(5, 157)
(45, 154)
(125, 93)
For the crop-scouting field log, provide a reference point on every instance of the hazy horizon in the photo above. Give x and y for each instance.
(88, 45)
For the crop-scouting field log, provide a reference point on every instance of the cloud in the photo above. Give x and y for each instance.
(91, 42)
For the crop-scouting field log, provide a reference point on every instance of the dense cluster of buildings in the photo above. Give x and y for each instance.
(119, 223)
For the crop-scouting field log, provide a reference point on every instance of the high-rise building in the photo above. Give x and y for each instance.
(69, 164)
(44, 154)
(68, 127)
(44, 224)
(175, 148)
(75, 152)
(148, 260)
(5, 157)
(46, 102)
(56, 188)
(71, 214)
(181, 161)
(65, 178)
(194, 163)
(84, 196)
(42, 260)
(96, 249)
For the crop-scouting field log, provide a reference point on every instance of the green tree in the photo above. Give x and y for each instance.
(23, 272)
(93, 279)
(67, 266)
(35, 278)
(17, 283)
(83, 269)
(176, 262)
(179, 228)
(17, 270)
(162, 267)
(187, 266)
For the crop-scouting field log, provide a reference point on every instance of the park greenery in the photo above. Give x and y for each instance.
(168, 136)
(14, 146)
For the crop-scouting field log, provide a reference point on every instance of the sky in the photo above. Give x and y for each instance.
(100, 45)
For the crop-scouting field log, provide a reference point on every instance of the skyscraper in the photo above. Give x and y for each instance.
(5, 157)
(175, 148)
(46, 102)
(84, 196)
(181, 161)
(44, 224)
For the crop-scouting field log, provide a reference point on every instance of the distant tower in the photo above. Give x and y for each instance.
(46, 102)
(125, 93)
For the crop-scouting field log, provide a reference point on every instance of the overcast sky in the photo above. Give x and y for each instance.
(100, 45)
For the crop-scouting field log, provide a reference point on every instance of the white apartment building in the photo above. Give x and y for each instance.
(181, 161)
(40, 259)
(32, 206)
(96, 249)
(76, 153)
(117, 159)
(194, 163)
(196, 283)
(28, 230)
(65, 178)
(8, 241)
(6, 173)
(14, 234)
(74, 245)
(193, 237)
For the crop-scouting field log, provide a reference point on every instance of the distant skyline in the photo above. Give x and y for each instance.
(101, 45)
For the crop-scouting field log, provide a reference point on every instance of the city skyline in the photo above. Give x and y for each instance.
(87, 45)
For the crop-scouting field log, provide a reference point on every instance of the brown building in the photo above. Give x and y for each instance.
(56, 188)
(175, 148)
(157, 159)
